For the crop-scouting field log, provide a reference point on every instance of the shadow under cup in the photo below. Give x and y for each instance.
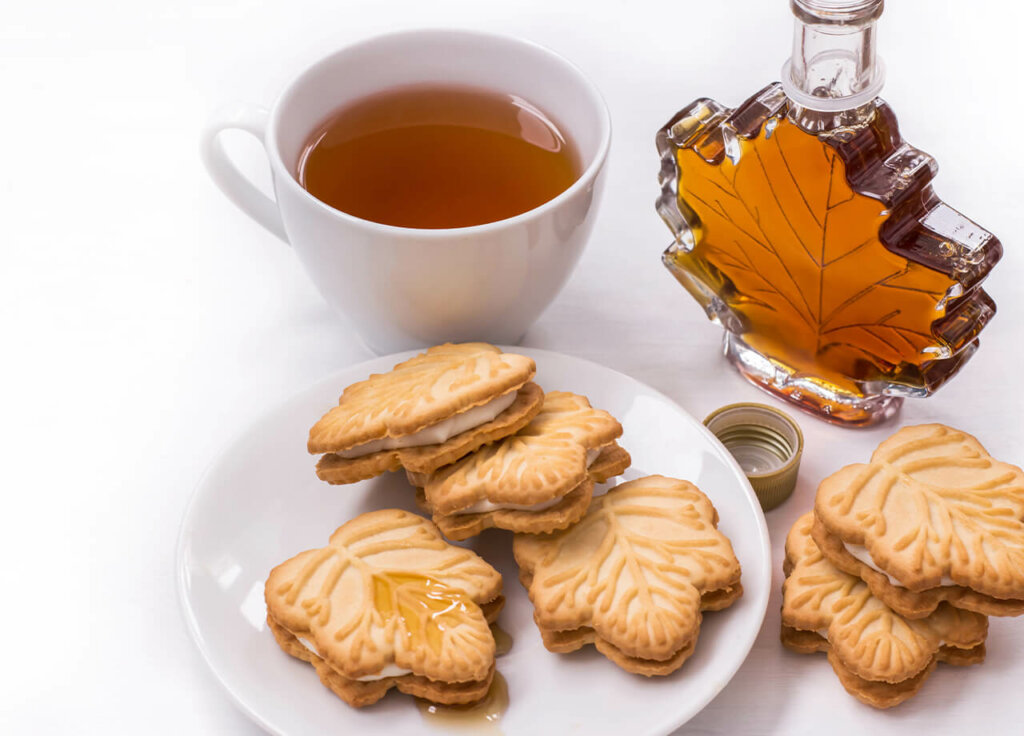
(403, 288)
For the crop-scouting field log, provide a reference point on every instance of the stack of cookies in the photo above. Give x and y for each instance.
(537, 480)
(390, 603)
(902, 560)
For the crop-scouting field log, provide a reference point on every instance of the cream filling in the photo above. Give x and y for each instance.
(481, 506)
(435, 434)
(484, 505)
(390, 670)
(861, 553)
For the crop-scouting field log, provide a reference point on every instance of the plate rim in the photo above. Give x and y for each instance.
(239, 437)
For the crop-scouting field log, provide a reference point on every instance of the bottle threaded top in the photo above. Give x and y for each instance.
(837, 11)
(834, 66)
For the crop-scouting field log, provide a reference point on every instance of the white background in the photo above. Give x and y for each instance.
(146, 321)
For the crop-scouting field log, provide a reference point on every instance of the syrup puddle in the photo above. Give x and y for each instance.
(479, 718)
(502, 640)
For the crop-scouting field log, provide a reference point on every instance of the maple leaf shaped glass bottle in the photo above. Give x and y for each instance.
(807, 227)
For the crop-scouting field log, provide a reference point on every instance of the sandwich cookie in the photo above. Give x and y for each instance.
(389, 603)
(633, 576)
(537, 480)
(880, 657)
(931, 518)
(427, 412)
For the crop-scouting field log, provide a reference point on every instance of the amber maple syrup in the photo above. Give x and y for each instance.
(809, 229)
(476, 718)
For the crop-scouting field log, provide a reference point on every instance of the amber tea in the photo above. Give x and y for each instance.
(431, 156)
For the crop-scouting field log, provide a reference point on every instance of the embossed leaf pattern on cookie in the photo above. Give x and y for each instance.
(634, 568)
(869, 638)
(389, 590)
(545, 459)
(568, 415)
(932, 503)
(423, 390)
(797, 252)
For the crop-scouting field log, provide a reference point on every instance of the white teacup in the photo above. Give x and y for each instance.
(404, 287)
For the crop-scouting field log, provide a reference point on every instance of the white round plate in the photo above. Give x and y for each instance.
(260, 503)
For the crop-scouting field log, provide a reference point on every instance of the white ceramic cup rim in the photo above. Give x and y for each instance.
(583, 180)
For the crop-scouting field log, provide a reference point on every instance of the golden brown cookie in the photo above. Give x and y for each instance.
(867, 641)
(533, 481)
(610, 462)
(358, 694)
(426, 412)
(633, 576)
(422, 460)
(389, 603)
(874, 693)
(566, 512)
(905, 602)
(931, 508)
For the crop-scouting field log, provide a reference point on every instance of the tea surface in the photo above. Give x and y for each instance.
(437, 157)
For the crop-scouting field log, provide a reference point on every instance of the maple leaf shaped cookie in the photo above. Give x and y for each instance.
(389, 603)
(908, 603)
(881, 658)
(395, 419)
(632, 576)
(536, 480)
(932, 508)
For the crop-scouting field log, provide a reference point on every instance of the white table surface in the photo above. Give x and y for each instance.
(146, 321)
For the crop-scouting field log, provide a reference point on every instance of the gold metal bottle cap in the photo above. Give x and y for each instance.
(766, 443)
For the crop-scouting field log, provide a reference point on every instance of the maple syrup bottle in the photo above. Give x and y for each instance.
(807, 227)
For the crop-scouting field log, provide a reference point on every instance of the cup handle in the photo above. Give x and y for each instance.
(235, 185)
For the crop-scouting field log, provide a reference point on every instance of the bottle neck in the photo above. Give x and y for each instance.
(834, 67)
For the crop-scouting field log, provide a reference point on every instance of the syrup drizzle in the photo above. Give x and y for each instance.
(427, 606)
